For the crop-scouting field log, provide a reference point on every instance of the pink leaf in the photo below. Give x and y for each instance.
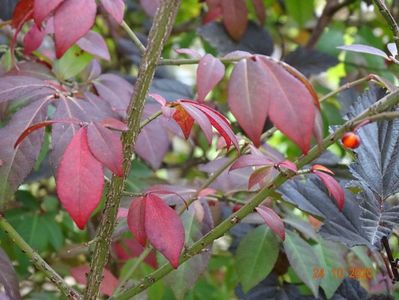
(164, 229)
(115, 8)
(72, 20)
(33, 39)
(272, 220)
(210, 71)
(43, 8)
(136, 218)
(219, 122)
(249, 97)
(201, 119)
(106, 147)
(94, 44)
(322, 168)
(261, 176)
(122, 213)
(150, 6)
(288, 165)
(251, 160)
(80, 179)
(334, 188)
(114, 124)
(108, 283)
(161, 100)
(190, 52)
(235, 17)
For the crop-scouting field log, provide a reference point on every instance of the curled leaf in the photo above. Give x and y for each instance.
(272, 220)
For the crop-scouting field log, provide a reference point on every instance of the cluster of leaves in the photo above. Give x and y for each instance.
(62, 116)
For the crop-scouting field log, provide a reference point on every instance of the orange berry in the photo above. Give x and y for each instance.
(351, 140)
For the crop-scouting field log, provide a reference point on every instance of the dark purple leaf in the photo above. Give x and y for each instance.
(255, 39)
(23, 87)
(94, 44)
(18, 162)
(8, 277)
(115, 90)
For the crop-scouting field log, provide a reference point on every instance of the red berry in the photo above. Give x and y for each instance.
(351, 140)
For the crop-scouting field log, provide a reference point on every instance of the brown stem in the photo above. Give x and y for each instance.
(159, 33)
(389, 19)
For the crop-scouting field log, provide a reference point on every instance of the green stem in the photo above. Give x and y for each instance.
(136, 41)
(150, 119)
(379, 107)
(37, 260)
(159, 33)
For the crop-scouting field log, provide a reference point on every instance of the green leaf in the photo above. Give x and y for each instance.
(56, 238)
(71, 63)
(303, 260)
(257, 253)
(300, 11)
(331, 258)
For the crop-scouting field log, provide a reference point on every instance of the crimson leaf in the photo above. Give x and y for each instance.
(80, 179)
(164, 229)
(43, 8)
(106, 147)
(235, 17)
(210, 71)
(72, 20)
(136, 220)
(333, 187)
(272, 220)
(108, 282)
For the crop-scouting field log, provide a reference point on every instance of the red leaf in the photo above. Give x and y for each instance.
(251, 160)
(201, 119)
(219, 122)
(72, 20)
(322, 169)
(108, 283)
(164, 229)
(212, 14)
(235, 17)
(210, 71)
(114, 124)
(43, 9)
(22, 12)
(33, 39)
(288, 165)
(94, 44)
(260, 10)
(135, 219)
(184, 120)
(115, 8)
(272, 220)
(80, 179)
(249, 97)
(334, 188)
(261, 176)
(106, 147)
(130, 248)
(150, 6)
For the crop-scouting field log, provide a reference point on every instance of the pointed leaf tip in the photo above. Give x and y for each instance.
(272, 220)
(334, 188)
(164, 229)
(80, 179)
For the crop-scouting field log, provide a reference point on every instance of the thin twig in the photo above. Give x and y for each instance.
(133, 37)
(159, 33)
(37, 260)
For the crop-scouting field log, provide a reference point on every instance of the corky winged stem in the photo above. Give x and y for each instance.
(159, 33)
